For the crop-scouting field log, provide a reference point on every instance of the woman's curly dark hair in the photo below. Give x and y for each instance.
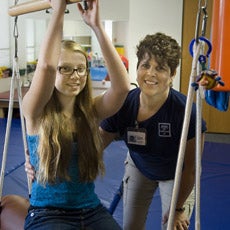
(163, 48)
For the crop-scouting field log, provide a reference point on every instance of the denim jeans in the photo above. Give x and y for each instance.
(60, 219)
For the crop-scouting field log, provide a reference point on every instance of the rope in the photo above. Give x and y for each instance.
(183, 139)
(198, 49)
(199, 96)
(15, 81)
(7, 135)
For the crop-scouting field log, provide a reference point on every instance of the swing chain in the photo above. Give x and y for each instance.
(202, 58)
(16, 32)
(17, 80)
(200, 38)
(204, 21)
(16, 36)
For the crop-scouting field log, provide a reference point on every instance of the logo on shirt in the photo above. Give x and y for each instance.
(164, 129)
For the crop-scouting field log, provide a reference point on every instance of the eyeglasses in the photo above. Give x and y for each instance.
(68, 71)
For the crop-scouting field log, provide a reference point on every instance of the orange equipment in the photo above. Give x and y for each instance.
(220, 34)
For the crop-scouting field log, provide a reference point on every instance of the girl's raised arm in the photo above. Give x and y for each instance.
(111, 101)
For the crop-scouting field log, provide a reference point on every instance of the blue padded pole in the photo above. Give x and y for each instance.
(116, 199)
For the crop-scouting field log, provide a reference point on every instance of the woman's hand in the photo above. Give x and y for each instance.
(181, 221)
(29, 169)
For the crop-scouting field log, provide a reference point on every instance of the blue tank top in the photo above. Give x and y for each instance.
(69, 194)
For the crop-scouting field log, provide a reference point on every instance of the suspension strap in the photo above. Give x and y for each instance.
(15, 83)
(201, 66)
(197, 50)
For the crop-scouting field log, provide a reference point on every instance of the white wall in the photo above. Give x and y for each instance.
(120, 34)
(148, 17)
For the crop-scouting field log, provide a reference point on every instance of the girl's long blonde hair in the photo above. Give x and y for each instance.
(56, 137)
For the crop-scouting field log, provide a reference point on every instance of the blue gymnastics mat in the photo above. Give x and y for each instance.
(215, 178)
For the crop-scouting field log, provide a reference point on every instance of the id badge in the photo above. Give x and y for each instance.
(136, 136)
